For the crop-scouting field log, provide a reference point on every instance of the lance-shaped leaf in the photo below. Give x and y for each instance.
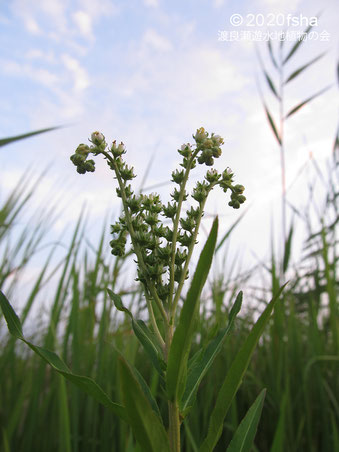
(302, 68)
(295, 109)
(234, 378)
(200, 366)
(287, 249)
(271, 85)
(145, 336)
(4, 141)
(272, 124)
(270, 51)
(243, 437)
(297, 44)
(148, 429)
(182, 338)
(85, 383)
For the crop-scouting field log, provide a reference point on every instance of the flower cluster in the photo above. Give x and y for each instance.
(162, 251)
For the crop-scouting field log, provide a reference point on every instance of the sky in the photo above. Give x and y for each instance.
(149, 73)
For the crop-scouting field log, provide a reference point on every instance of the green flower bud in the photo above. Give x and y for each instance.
(83, 149)
(227, 175)
(77, 159)
(97, 138)
(239, 188)
(178, 176)
(200, 135)
(117, 151)
(185, 150)
(187, 224)
(212, 176)
(170, 210)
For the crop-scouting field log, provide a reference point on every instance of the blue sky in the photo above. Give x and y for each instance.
(150, 73)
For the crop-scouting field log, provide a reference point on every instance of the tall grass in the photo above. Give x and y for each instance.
(297, 359)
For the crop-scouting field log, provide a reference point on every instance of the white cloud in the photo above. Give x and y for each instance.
(152, 3)
(84, 23)
(32, 26)
(218, 3)
(79, 74)
(39, 75)
(153, 39)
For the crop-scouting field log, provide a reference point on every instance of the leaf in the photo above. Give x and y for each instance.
(85, 383)
(287, 249)
(270, 51)
(272, 124)
(302, 68)
(271, 85)
(280, 433)
(200, 366)
(147, 392)
(181, 343)
(295, 109)
(297, 44)
(145, 336)
(4, 141)
(243, 438)
(148, 430)
(234, 378)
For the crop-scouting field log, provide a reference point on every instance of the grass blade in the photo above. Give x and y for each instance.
(234, 378)
(181, 344)
(243, 438)
(146, 425)
(201, 366)
(270, 51)
(295, 109)
(297, 45)
(272, 124)
(4, 141)
(302, 68)
(287, 249)
(280, 433)
(271, 85)
(85, 383)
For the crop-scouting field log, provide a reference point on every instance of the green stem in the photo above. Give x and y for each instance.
(190, 252)
(139, 255)
(174, 426)
(176, 226)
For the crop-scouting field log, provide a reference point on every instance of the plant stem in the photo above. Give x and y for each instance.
(174, 426)
(176, 226)
(282, 147)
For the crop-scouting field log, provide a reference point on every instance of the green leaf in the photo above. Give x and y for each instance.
(147, 392)
(302, 68)
(295, 109)
(272, 124)
(85, 383)
(148, 430)
(243, 438)
(13, 321)
(271, 85)
(296, 45)
(4, 141)
(280, 433)
(146, 338)
(287, 250)
(270, 51)
(234, 378)
(200, 366)
(182, 339)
